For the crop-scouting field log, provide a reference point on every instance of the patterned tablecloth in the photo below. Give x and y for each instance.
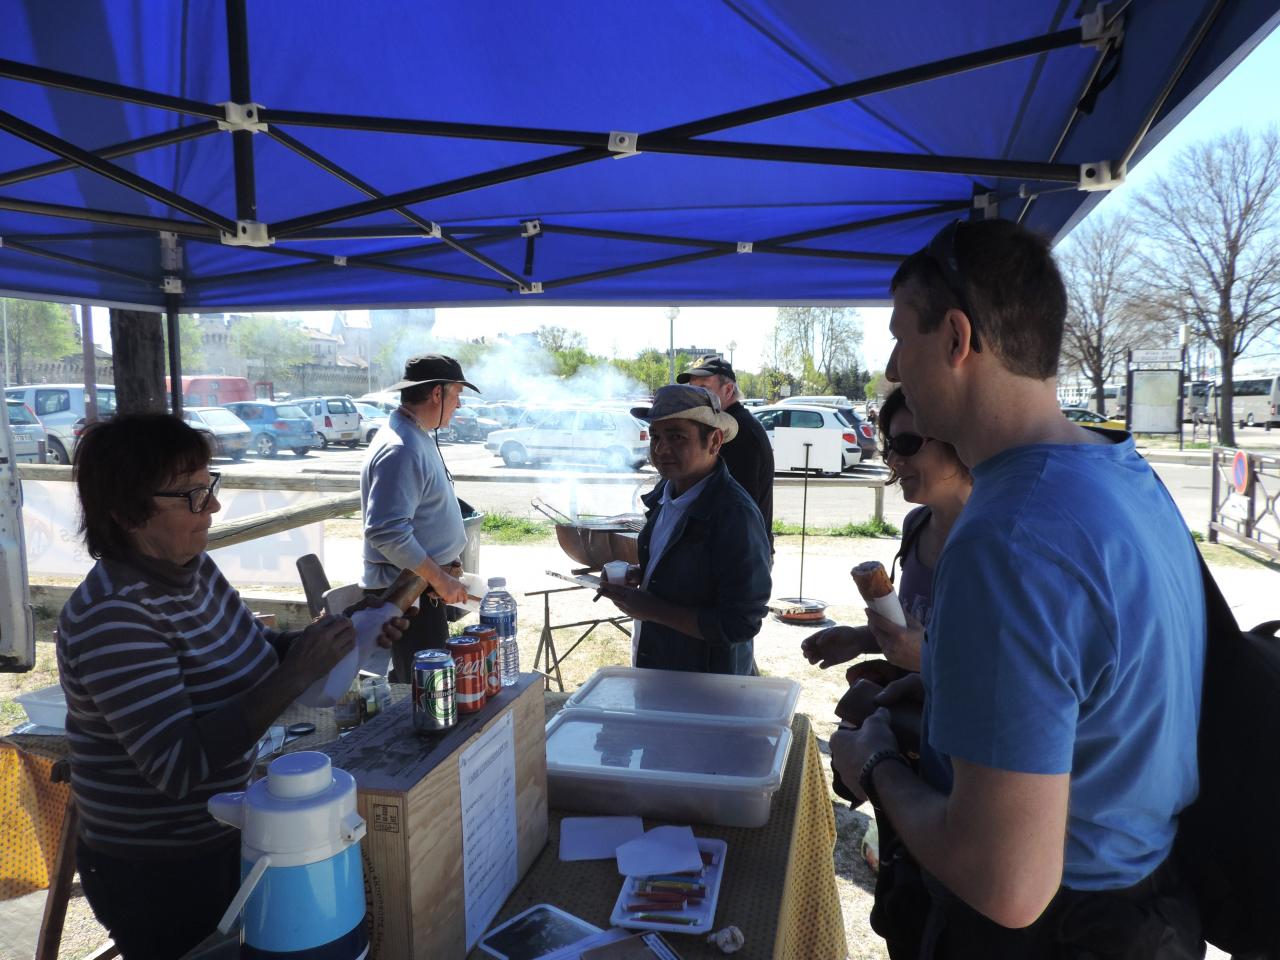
(31, 812)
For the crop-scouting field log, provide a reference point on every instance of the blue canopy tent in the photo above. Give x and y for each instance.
(318, 153)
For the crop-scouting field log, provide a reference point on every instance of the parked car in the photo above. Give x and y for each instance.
(335, 419)
(1087, 418)
(25, 432)
(277, 426)
(372, 419)
(226, 434)
(791, 425)
(576, 435)
(60, 408)
(469, 424)
(386, 402)
(825, 400)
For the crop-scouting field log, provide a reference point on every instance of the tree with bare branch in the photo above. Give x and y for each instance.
(1213, 246)
(1105, 318)
(816, 344)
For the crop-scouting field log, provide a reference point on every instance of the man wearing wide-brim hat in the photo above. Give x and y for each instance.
(412, 520)
(704, 550)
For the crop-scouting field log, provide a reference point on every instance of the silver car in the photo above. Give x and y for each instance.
(25, 432)
(60, 407)
(225, 433)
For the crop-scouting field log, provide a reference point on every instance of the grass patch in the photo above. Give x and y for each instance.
(1225, 554)
(866, 528)
(505, 528)
(11, 714)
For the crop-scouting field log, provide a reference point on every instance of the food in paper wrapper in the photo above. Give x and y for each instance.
(877, 590)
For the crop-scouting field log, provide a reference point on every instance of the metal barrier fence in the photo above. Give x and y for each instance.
(1245, 489)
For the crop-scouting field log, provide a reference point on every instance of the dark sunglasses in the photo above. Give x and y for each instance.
(198, 498)
(904, 445)
(942, 251)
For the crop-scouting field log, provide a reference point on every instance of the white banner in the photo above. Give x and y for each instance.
(51, 516)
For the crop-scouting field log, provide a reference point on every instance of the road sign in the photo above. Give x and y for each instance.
(1240, 473)
(1172, 355)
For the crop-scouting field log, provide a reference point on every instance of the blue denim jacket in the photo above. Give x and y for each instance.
(717, 561)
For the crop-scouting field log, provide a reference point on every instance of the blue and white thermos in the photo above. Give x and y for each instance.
(302, 893)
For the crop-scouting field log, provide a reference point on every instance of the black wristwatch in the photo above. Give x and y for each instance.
(864, 776)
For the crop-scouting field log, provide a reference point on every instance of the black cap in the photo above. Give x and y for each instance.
(432, 368)
(709, 366)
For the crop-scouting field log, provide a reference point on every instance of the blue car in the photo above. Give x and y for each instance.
(276, 427)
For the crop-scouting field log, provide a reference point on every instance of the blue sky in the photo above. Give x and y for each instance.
(1247, 98)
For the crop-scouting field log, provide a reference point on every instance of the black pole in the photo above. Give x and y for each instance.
(185, 228)
(125, 149)
(241, 140)
(83, 158)
(175, 353)
(14, 70)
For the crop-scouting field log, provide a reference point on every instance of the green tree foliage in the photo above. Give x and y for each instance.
(191, 342)
(38, 331)
(279, 346)
(817, 346)
(651, 368)
(569, 361)
(555, 339)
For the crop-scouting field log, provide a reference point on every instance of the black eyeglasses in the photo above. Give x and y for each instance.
(198, 498)
(942, 251)
(904, 445)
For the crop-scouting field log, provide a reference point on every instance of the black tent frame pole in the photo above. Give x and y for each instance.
(13, 70)
(677, 134)
(350, 178)
(12, 244)
(184, 228)
(175, 353)
(105, 168)
(241, 140)
(125, 149)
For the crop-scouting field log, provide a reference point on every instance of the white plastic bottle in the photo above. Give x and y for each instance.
(498, 610)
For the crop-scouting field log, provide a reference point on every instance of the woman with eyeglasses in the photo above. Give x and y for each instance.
(930, 474)
(170, 686)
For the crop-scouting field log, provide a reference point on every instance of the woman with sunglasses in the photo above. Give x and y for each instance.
(170, 686)
(931, 474)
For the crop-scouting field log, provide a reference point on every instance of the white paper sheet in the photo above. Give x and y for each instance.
(366, 655)
(596, 838)
(661, 850)
(487, 784)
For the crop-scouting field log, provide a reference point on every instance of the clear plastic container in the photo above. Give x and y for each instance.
(46, 707)
(681, 695)
(670, 768)
(498, 610)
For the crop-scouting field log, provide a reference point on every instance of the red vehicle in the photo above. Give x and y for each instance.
(210, 390)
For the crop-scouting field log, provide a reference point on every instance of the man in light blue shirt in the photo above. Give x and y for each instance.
(412, 520)
(1063, 659)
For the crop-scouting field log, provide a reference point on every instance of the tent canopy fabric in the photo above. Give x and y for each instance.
(394, 153)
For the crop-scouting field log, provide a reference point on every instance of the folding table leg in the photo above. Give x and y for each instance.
(55, 904)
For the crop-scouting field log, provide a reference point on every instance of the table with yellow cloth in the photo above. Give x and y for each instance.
(779, 883)
(32, 808)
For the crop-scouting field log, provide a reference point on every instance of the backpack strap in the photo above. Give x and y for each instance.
(912, 526)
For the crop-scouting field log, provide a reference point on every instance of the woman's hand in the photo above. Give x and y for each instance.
(322, 644)
(835, 645)
(634, 602)
(901, 645)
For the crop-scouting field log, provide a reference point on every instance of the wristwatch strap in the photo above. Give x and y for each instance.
(864, 776)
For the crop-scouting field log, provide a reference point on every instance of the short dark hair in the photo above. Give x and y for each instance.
(1012, 284)
(118, 465)
(893, 404)
(420, 392)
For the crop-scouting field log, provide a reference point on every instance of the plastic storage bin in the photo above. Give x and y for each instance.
(684, 770)
(681, 695)
(46, 707)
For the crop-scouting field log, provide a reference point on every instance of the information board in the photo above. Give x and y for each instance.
(1154, 407)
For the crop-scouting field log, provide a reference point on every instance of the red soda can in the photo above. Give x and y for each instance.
(468, 659)
(488, 638)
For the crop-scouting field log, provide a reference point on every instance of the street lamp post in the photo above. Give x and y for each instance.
(733, 345)
(672, 313)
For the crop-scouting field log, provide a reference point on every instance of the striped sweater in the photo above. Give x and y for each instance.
(156, 661)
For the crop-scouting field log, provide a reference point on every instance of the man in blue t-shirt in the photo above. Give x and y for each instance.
(1062, 666)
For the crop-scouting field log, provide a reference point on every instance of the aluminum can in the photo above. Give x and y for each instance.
(434, 691)
(488, 638)
(468, 658)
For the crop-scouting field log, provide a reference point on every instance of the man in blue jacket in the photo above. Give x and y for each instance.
(704, 550)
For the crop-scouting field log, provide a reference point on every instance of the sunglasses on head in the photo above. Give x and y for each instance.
(942, 251)
(904, 445)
